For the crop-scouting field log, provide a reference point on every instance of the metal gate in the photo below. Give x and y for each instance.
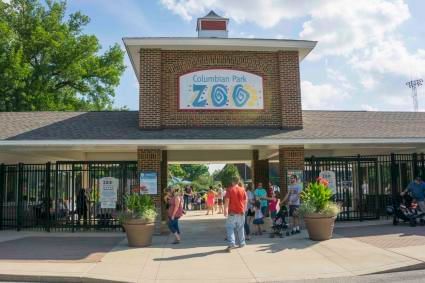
(356, 184)
(62, 196)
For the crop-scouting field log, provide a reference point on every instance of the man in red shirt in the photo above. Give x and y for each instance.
(235, 202)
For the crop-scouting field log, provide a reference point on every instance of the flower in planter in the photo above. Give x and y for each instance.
(317, 198)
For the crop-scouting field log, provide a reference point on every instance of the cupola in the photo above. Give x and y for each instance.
(212, 25)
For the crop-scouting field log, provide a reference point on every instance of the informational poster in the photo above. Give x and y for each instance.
(148, 183)
(108, 192)
(330, 177)
(218, 89)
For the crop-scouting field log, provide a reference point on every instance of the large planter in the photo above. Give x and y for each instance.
(139, 232)
(320, 227)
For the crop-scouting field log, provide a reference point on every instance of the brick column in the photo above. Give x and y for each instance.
(151, 160)
(261, 170)
(150, 89)
(290, 158)
(290, 90)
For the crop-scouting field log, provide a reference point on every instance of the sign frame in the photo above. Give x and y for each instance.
(149, 190)
(179, 109)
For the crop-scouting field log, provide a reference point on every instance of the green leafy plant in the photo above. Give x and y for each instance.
(317, 199)
(138, 207)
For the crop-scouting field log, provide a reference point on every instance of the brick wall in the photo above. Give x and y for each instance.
(261, 170)
(290, 158)
(159, 89)
(150, 89)
(150, 160)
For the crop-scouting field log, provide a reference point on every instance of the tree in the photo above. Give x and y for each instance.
(47, 63)
(176, 170)
(227, 174)
(194, 171)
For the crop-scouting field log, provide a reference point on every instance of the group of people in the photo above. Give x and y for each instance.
(213, 199)
(242, 206)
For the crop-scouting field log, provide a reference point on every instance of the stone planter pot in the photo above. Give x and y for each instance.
(320, 227)
(139, 232)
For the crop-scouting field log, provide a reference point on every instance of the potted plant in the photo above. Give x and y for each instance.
(138, 219)
(318, 210)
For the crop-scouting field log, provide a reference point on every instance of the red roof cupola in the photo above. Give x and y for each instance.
(212, 25)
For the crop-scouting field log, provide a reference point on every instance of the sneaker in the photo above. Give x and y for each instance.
(230, 248)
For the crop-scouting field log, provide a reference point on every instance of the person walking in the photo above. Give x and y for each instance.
(175, 211)
(187, 197)
(210, 200)
(235, 202)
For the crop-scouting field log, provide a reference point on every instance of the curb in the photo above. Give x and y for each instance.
(58, 279)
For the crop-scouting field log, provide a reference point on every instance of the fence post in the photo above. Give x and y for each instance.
(2, 191)
(19, 196)
(422, 166)
(359, 187)
(48, 201)
(415, 165)
(394, 187)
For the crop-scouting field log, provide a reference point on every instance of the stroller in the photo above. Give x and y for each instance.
(404, 209)
(279, 222)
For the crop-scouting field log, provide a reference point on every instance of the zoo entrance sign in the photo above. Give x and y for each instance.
(218, 89)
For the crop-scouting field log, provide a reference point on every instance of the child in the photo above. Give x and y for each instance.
(258, 217)
(274, 204)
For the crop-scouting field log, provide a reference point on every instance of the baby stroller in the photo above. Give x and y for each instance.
(404, 209)
(279, 222)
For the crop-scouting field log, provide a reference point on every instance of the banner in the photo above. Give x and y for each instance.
(148, 183)
(216, 89)
(108, 192)
(330, 177)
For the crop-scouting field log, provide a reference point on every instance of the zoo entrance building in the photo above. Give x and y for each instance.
(203, 99)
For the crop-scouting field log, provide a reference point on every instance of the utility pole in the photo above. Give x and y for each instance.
(414, 84)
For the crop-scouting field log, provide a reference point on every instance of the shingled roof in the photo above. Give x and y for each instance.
(124, 125)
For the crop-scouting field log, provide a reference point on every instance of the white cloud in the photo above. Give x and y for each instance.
(321, 96)
(368, 107)
(344, 26)
(391, 57)
(339, 78)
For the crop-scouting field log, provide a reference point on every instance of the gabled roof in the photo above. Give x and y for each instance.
(318, 125)
(212, 15)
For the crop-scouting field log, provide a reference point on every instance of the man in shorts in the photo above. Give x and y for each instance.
(293, 198)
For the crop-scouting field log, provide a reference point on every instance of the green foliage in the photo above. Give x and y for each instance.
(227, 174)
(194, 171)
(317, 199)
(175, 170)
(47, 63)
(139, 207)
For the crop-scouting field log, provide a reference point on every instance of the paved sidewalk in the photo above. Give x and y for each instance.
(201, 257)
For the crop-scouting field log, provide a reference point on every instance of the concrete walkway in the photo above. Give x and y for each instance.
(201, 257)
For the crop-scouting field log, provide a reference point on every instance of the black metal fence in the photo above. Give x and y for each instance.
(365, 185)
(51, 197)
(61, 196)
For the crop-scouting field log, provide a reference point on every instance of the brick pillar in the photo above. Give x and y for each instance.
(290, 158)
(164, 180)
(151, 160)
(261, 170)
(150, 89)
(290, 90)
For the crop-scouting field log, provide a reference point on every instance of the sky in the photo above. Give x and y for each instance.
(367, 49)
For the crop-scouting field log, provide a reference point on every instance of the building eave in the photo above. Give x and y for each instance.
(133, 45)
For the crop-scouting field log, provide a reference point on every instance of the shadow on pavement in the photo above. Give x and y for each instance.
(82, 249)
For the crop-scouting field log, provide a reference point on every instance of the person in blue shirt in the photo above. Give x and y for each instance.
(417, 190)
(261, 195)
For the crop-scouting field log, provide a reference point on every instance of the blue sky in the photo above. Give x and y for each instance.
(367, 49)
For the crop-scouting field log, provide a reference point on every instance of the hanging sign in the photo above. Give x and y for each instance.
(108, 191)
(216, 89)
(330, 177)
(148, 183)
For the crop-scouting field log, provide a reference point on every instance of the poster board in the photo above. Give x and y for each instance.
(149, 183)
(108, 192)
(331, 178)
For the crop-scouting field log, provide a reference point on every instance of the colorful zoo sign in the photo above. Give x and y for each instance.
(217, 89)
